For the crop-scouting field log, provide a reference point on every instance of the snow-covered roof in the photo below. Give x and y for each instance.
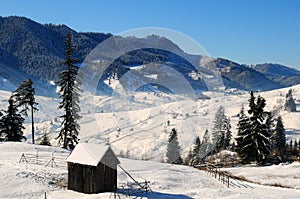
(92, 154)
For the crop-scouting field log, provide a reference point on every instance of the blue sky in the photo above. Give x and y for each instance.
(256, 31)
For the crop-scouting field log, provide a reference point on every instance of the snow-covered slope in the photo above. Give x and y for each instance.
(136, 124)
(31, 180)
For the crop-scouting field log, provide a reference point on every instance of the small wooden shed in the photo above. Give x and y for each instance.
(92, 168)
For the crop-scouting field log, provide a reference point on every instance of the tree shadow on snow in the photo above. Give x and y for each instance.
(167, 195)
(292, 132)
(156, 195)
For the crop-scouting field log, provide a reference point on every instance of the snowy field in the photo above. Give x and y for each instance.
(28, 180)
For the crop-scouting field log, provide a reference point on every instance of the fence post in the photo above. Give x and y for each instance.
(216, 173)
(228, 181)
(37, 156)
(52, 158)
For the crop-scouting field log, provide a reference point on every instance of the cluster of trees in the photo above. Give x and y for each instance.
(27, 49)
(221, 139)
(293, 149)
(259, 133)
(260, 136)
(22, 100)
(254, 131)
(200, 150)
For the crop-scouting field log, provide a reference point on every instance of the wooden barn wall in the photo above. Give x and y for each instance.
(106, 178)
(110, 176)
(90, 179)
(75, 177)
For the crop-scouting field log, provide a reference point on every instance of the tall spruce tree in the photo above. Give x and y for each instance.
(69, 91)
(228, 133)
(12, 124)
(24, 97)
(206, 146)
(270, 122)
(260, 131)
(253, 141)
(278, 137)
(242, 139)
(219, 129)
(173, 149)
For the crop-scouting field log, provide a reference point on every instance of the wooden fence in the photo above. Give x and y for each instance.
(44, 159)
(222, 176)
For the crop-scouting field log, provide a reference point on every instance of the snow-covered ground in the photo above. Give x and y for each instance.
(30, 180)
(136, 126)
(285, 175)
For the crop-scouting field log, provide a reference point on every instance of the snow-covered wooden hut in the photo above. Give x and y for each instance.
(92, 168)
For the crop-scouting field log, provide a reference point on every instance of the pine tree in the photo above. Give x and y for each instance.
(206, 146)
(188, 158)
(45, 140)
(173, 149)
(12, 124)
(219, 129)
(242, 139)
(68, 135)
(254, 135)
(278, 137)
(260, 131)
(196, 150)
(270, 122)
(290, 104)
(24, 97)
(228, 133)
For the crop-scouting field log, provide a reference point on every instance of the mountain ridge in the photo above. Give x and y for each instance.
(38, 49)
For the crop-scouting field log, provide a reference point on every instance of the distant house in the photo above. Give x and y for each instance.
(92, 168)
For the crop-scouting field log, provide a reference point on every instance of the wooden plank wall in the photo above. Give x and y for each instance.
(90, 179)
